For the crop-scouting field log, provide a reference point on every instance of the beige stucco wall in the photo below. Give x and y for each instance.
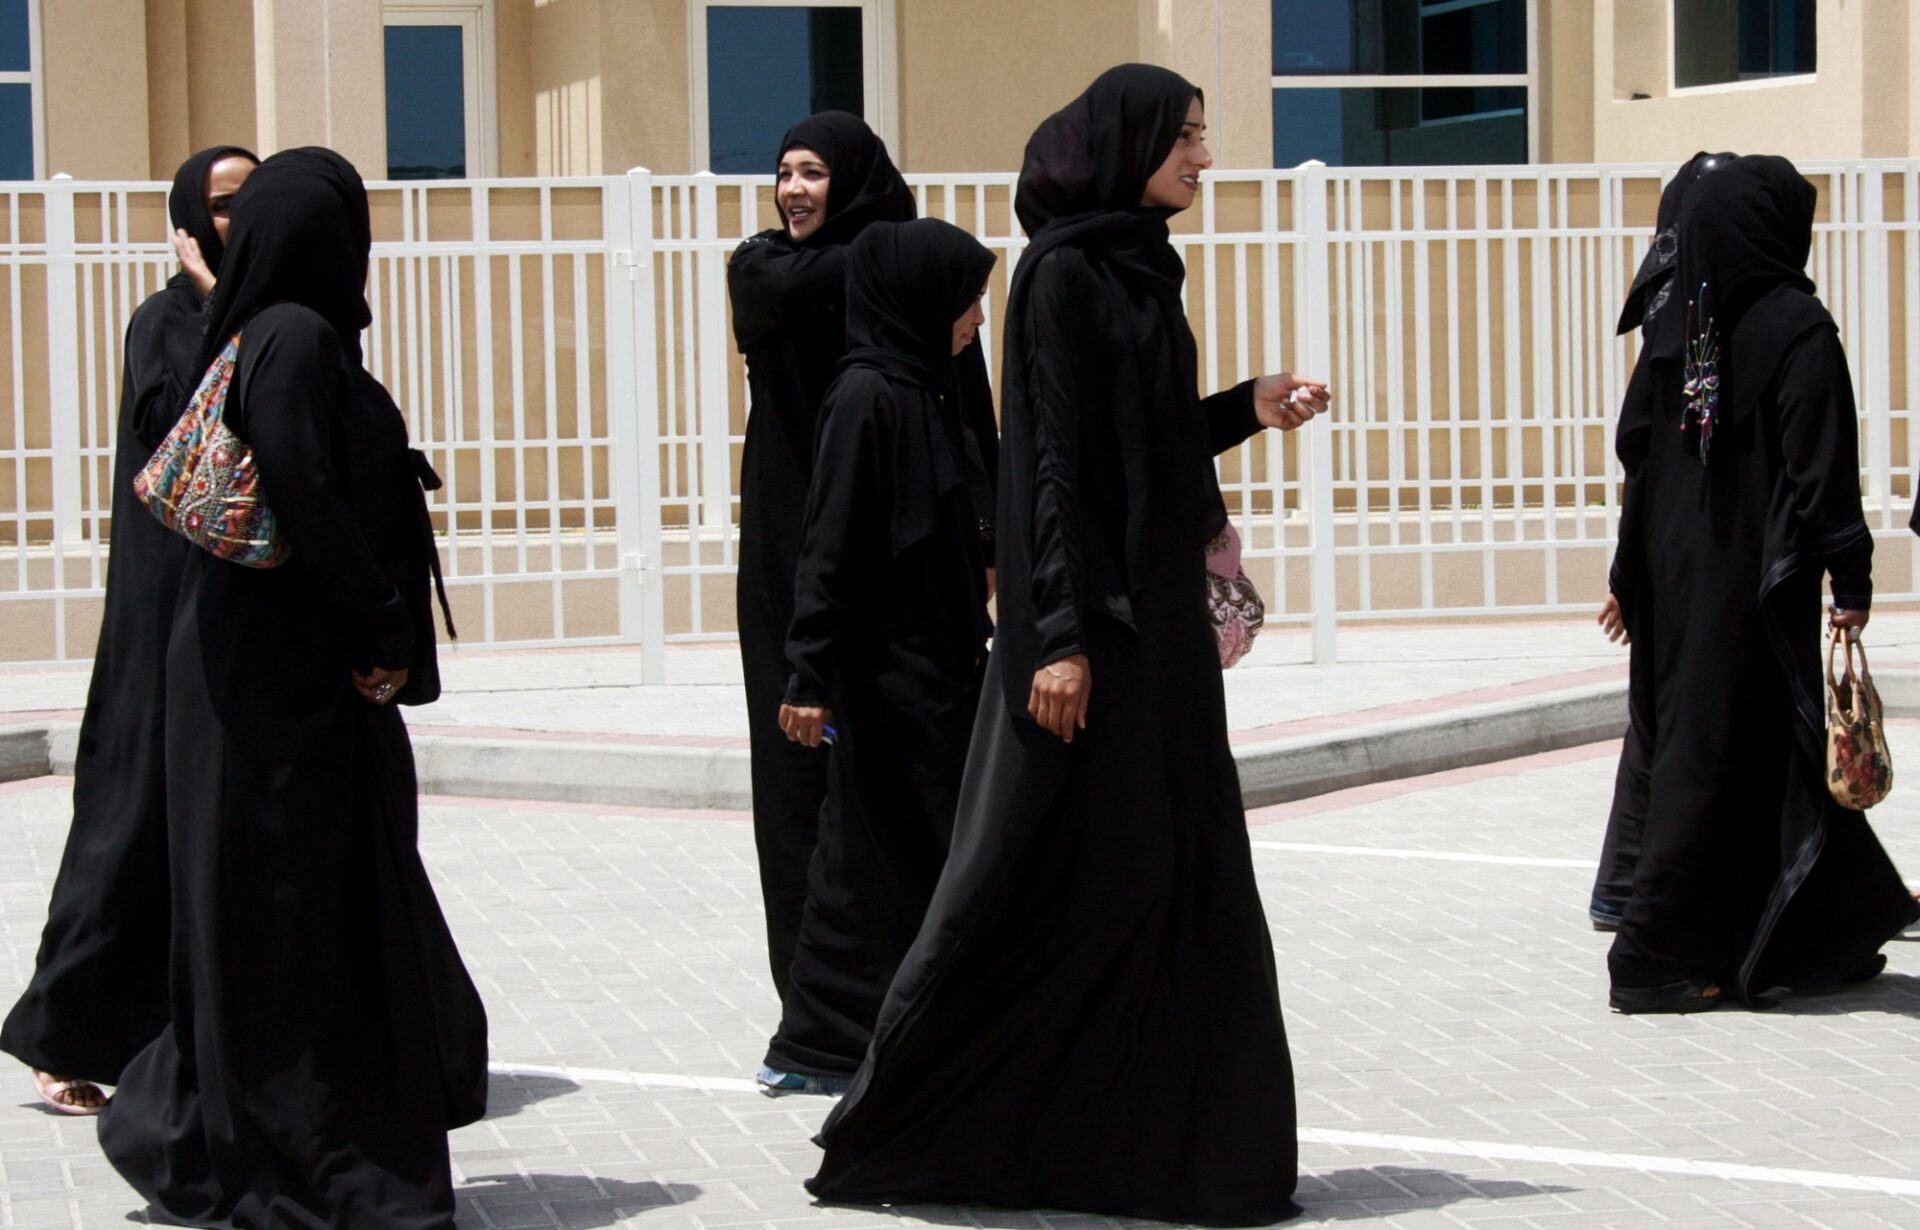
(220, 78)
(1564, 46)
(513, 86)
(95, 86)
(309, 96)
(1822, 115)
(608, 82)
(1226, 48)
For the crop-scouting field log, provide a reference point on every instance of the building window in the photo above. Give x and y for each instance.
(439, 79)
(1720, 41)
(20, 89)
(761, 66)
(1401, 82)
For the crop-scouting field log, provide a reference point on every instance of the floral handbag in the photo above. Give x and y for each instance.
(202, 482)
(1859, 767)
(1233, 604)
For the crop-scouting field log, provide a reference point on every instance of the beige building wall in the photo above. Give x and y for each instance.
(219, 80)
(95, 87)
(319, 77)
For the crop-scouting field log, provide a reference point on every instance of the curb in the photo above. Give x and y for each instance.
(1280, 770)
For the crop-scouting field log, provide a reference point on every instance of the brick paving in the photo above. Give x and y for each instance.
(1447, 1018)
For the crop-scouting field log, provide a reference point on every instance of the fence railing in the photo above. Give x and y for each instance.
(563, 353)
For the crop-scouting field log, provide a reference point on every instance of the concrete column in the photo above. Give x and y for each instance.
(1567, 67)
(95, 90)
(1886, 79)
(1226, 48)
(319, 78)
(167, 62)
(513, 85)
(217, 67)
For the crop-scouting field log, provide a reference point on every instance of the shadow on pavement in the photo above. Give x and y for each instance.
(1897, 994)
(575, 1201)
(508, 1095)
(1365, 1193)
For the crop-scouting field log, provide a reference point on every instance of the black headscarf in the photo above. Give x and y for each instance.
(187, 202)
(907, 283)
(1744, 232)
(1087, 166)
(1654, 282)
(863, 185)
(301, 234)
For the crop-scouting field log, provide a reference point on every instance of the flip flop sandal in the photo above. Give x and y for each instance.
(51, 1091)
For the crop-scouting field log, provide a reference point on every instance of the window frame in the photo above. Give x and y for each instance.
(1675, 89)
(879, 72)
(475, 19)
(1395, 81)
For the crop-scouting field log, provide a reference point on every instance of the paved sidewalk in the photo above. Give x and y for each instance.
(1445, 1000)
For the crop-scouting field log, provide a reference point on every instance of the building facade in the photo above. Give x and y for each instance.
(123, 89)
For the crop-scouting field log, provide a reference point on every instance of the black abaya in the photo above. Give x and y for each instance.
(99, 987)
(1089, 1018)
(324, 1035)
(789, 320)
(1749, 876)
(889, 632)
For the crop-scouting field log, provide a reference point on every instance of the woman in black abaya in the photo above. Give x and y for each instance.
(99, 987)
(1751, 881)
(1089, 1018)
(788, 288)
(324, 1035)
(888, 637)
(1646, 300)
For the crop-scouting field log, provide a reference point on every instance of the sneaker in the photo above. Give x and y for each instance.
(1605, 915)
(776, 1084)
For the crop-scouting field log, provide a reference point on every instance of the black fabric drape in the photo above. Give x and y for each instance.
(889, 630)
(1729, 557)
(1652, 290)
(324, 1035)
(1089, 1018)
(789, 320)
(107, 918)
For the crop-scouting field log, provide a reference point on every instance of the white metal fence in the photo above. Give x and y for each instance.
(563, 353)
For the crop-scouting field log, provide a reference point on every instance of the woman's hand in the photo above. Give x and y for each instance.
(805, 723)
(992, 582)
(1058, 701)
(379, 686)
(1852, 621)
(1288, 401)
(1613, 622)
(187, 249)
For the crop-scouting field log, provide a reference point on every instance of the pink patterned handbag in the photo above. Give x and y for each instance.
(1233, 604)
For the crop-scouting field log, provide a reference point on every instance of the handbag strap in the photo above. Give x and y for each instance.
(1853, 679)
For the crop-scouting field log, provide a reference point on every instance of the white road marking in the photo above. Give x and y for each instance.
(1546, 1155)
(1444, 856)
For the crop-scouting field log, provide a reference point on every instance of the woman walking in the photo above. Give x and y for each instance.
(788, 288)
(99, 988)
(889, 634)
(1751, 881)
(324, 1035)
(1089, 1018)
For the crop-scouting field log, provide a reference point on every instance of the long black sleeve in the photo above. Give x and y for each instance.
(1058, 546)
(847, 507)
(295, 379)
(1821, 451)
(1231, 419)
(770, 279)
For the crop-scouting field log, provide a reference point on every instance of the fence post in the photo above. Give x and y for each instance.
(712, 343)
(63, 375)
(1876, 393)
(633, 413)
(1317, 247)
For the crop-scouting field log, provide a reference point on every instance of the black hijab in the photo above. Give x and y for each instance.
(1744, 232)
(187, 202)
(863, 185)
(1654, 281)
(1087, 166)
(907, 282)
(300, 234)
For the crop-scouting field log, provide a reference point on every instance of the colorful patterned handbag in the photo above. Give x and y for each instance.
(202, 482)
(1233, 604)
(1859, 767)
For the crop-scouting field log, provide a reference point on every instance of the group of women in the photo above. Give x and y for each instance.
(242, 938)
(1011, 916)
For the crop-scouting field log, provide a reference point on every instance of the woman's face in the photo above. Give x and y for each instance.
(802, 191)
(223, 180)
(967, 327)
(1177, 181)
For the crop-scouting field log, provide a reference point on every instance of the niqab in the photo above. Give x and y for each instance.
(863, 186)
(301, 234)
(1653, 283)
(187, 202)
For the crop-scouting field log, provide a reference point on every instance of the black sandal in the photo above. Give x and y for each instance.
(1692, 995)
